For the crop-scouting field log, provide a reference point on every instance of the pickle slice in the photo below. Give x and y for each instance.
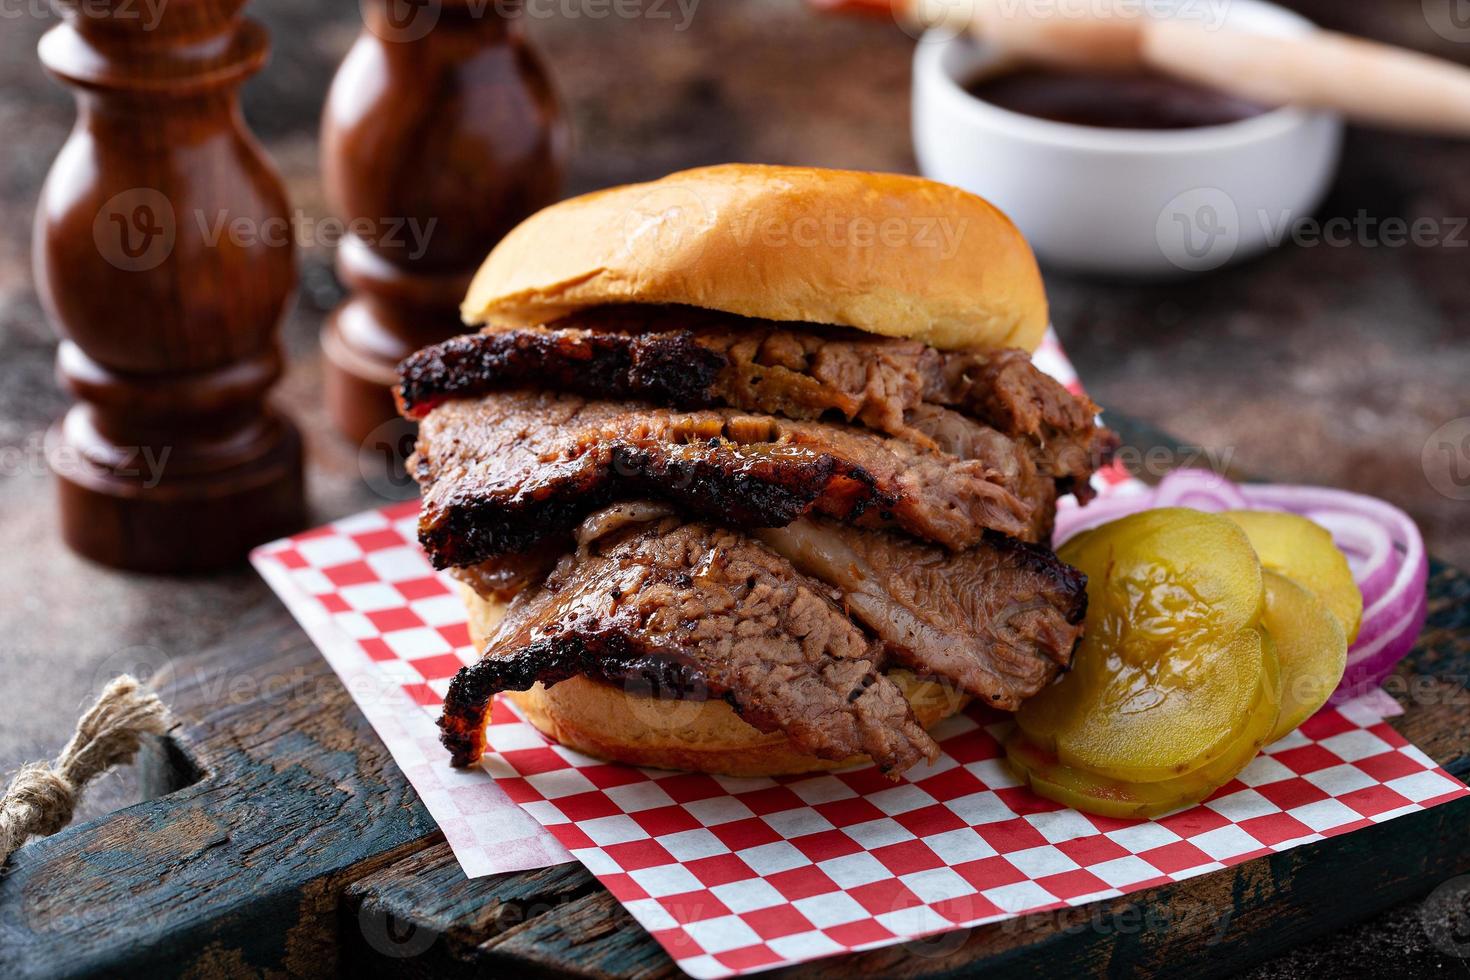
(1303, 551)
(1170, 571)
(1168, 673)
(1106, 797)
(1092, 793)
(1310, 646)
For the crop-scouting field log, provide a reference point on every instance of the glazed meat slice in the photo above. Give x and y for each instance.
(702, 358)
(1000, 620)
(696, 612)
(502, 472)
(1008, 392)
(667, 367)
(504, 576)
(1017, 460)
(692, 358)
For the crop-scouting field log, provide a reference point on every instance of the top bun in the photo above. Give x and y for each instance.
(885, 253)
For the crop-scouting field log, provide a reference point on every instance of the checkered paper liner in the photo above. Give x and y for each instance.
(395, 631)
(739, 875)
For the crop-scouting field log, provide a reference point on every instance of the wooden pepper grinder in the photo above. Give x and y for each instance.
(440, 133)
(163, 256)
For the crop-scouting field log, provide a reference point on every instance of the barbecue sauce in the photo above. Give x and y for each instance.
(1140, 100)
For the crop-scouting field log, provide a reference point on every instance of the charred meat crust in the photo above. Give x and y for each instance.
(672, 368)
(504, 471)
(691, 358)
(693, 611)
(503, 577)
(609, 657)
(998, 621)
(1043, 562)
(697, 358)
(470, 527)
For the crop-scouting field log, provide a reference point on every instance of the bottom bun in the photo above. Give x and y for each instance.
(698, 736)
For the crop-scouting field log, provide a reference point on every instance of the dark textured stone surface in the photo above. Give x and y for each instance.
(1324, 365)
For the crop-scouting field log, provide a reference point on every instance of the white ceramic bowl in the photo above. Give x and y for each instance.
(1137, 203)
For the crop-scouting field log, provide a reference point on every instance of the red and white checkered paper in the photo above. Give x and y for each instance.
(738, 875)
(396, 631)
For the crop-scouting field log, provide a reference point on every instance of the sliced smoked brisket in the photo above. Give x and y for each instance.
(691, 358)
(999, 620)
(693, 611)
(502, 472)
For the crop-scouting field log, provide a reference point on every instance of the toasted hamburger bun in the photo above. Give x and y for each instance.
(889, 254)
(698, 736)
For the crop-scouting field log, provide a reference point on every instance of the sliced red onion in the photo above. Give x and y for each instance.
(1199, 489)
(1368, 664)
(1392, 619)
(1369, 549)
(1384, 548)
(1074, 520)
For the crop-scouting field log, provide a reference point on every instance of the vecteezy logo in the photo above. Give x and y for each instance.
(934, 20)
(382, 459)
(400, 21)
(391, 937)
(1199, 230)
(1446, 459)
(142, 662)
(1450, 19)
(1445, 917)
(938, 945)
(135, 230)
(668, 219)
(665, 707)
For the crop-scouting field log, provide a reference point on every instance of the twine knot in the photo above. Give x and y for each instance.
(43, 796)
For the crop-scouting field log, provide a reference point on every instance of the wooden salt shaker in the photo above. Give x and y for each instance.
(441, 132)
(163, 256)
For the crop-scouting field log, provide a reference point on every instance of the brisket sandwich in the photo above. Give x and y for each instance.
(749, 471)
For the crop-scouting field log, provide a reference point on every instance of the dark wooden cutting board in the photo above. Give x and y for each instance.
(282, 838)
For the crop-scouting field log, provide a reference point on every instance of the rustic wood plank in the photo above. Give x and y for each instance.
(1432, 681)
(287, 841)
(420, 916)
(591, 936)
(241, 871)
